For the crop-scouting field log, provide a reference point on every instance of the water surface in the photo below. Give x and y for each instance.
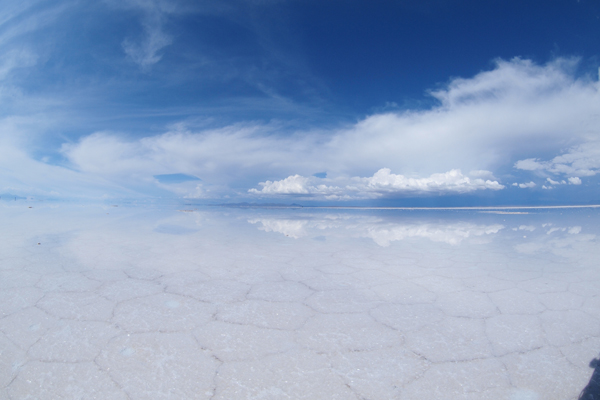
(214, 303)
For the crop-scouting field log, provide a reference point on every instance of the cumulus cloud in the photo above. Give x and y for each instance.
(572, 181)
(295, 184)
(525, 185)
(451, 181)
(382, 183)
(552, 182)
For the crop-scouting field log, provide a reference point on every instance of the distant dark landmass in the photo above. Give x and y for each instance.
(258, 205)
(11, 197)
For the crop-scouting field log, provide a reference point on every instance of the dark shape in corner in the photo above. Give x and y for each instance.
(592, 390)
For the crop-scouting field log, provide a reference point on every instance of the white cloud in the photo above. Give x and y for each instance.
(530, 164)
(22, 175)
(383, 182)
(154, 13)
(146, 53)
(483, 174)
(224, 154)
(574, 180)
(18, 22)
(580, 160)
(524, 185)
(187, 190)
(451, 181)
(295, 184)
(554, 182)
(529, 228)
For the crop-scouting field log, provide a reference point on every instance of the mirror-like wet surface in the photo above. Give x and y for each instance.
(215, 303)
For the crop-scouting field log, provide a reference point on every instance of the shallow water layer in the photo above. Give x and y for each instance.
(215, 303)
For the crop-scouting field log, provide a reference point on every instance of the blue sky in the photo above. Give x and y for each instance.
(427, 102)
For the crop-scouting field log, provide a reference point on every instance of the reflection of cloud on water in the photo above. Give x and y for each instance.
(295, 228)
(180, 224)
(555, 239)
(174, 229)
(451, 233)
(381, 233)
(300, 227)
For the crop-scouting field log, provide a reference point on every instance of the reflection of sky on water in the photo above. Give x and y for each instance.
(383, 230)
(350, 304)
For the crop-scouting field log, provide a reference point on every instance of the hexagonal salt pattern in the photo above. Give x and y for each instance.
(107, 303)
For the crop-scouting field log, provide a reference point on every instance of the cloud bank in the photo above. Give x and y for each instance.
(482, 123)
(514, 116)
(382, 183)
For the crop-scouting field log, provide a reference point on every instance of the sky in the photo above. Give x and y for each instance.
(342, 102)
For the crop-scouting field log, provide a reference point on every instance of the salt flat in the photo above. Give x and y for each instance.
(100, 302)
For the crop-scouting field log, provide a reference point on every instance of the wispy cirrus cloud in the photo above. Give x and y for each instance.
(153, 15)
(146, 52)
(19, 22)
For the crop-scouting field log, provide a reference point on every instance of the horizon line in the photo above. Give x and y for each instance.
(411, 208)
